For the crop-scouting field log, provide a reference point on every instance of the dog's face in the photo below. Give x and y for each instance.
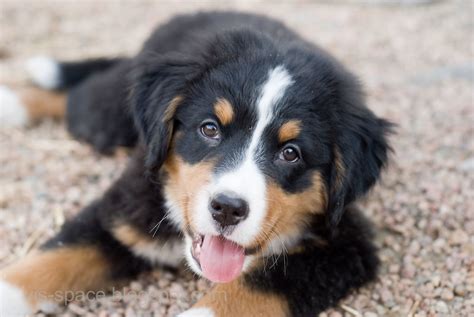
(242, 167)
(251, 149)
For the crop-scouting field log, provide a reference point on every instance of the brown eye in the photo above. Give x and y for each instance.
(290, 154)
(210, 130)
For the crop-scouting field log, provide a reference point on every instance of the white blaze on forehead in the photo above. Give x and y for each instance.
(272, 91)
(247, 181)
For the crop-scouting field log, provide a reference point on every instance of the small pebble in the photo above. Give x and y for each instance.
(442, 307)
(459, 290)
(458, 237)
(447, 295)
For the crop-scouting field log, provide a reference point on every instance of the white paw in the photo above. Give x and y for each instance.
(44, 72)
(197, 312)
(12, 301)
(12, 111)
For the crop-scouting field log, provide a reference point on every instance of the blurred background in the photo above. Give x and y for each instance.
(415, 58)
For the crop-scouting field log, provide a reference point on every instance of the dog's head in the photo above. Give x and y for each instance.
(252, 143)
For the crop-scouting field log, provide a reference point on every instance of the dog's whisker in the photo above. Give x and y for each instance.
(157, 226)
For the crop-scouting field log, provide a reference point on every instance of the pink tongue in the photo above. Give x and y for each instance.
(221, 260)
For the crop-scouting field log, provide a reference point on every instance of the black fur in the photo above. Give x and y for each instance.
(72, 73)
(210, 55)
(134, 200)
(97, 109)
(157, 81)
(361, 139)
(330, 266)
(88, 229)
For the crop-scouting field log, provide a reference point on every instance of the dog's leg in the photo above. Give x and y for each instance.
(238, 298)
(312, 277)
(92, 95)
(42, 280)
(20, 106)
(83, 257)
(112, 240)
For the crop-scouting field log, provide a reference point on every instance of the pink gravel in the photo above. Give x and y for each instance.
(417, 64)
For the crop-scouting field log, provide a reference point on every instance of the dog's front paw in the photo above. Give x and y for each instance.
(197, 312)
(18, 298)
(12, 301)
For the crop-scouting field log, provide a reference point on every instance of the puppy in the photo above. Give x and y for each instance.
(250, 147)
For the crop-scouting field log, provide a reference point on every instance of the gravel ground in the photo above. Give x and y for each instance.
(417, 64)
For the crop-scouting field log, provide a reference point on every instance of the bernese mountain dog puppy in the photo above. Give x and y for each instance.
(251, 146)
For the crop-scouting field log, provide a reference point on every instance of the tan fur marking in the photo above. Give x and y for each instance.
(235, 299)
(168, 115)
(171, 109)
(340, 169)
(184, 181)
(224, 111)
(289, 131)
(130, 236)
(287, 213)
(42, 104)
(55, 272)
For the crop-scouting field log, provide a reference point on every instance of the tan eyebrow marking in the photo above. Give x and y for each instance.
(289, 130)
(224, 111)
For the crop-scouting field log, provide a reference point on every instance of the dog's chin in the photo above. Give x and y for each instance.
(216, 258)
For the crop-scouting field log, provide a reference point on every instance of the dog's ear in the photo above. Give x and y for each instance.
(359, 154)
(159, 86)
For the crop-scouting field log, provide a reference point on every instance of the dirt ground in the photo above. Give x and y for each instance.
(417, 66)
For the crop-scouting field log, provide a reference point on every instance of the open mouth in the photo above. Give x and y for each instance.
(220, 259)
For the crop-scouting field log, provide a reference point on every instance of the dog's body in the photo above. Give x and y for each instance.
(250, 147)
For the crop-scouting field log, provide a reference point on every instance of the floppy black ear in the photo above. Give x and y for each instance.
(159, 85)
(359, 154)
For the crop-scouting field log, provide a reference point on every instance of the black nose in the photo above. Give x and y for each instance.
(228, 211)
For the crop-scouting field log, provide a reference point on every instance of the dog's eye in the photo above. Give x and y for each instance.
(290, 154)
(210, 130)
